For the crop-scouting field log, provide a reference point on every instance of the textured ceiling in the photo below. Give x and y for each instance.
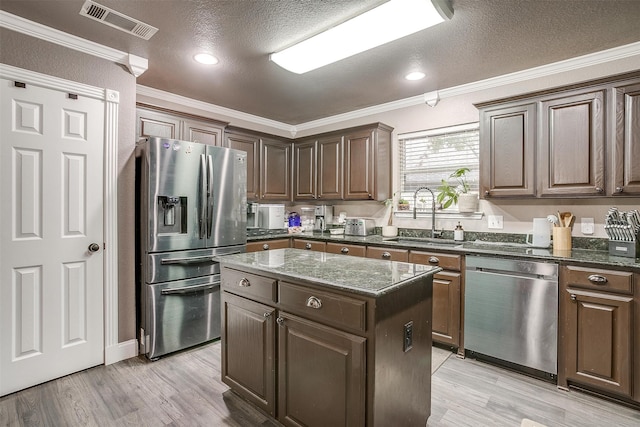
(485, 38)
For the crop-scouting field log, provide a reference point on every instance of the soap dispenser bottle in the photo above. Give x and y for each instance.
(458, 233)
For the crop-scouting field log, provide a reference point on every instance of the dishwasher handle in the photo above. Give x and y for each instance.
(190, 289)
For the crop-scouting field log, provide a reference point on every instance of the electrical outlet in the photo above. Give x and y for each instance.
(587, 226)
(495, 221)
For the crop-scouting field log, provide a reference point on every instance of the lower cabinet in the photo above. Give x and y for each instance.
(310, 245)
(345, 249)
(447, 296)
(388, 254)
(265, 245)
(597, 324)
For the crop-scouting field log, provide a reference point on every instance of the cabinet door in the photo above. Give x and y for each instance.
(626, 149)
(330, 168)
(358, 169)
(248, 350)
(507, 150)
(152, 123)
(597, 340)
(446, 308)
(321, 375)
(267, 245)
(571, 160)
(339, 248)
(275, 170)
(203, 133)
(305, 172)
(250, 145)
(310, 245)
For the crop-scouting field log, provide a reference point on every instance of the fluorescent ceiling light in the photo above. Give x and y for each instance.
(205, 58)
(387, 22)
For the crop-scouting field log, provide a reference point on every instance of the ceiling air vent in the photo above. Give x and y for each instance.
(96, 11)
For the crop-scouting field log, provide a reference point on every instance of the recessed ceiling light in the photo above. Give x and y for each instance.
(416, 75)
(205, 58)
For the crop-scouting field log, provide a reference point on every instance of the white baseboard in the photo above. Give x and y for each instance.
(120, 351)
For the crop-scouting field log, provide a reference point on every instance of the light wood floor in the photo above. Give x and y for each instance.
(185, 390)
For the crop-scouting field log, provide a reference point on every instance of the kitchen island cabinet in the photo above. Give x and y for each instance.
(326, 339)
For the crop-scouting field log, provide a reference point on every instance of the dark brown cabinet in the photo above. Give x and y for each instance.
(556, 143)
(597, 324)
(346, 249)
(572, 143)
(367, 163)
(310, 245)
(388, 254)
(625, 159)
(447, 296)
(175, 125)
(305, 171)
(507, 150)
(267, 245)
(268, 164)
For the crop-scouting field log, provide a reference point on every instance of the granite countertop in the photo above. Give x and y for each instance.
(590, 256)
(365, 276)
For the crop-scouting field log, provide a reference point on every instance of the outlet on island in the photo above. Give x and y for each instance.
(495, 221)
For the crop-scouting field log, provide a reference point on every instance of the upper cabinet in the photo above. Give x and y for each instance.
(556, 143)
(625, 158)
(156, 121)
(269, 164)
(350, 164)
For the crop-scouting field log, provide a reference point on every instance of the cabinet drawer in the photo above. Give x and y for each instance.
(605, 280)
(310, 245)
(338, 248)
(265, 245)
(446, 261)
(248, 285)
(388, 254)
(329, 308)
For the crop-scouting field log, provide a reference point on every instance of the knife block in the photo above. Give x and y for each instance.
(626, 248)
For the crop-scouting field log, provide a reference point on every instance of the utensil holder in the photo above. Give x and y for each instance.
(561, 239)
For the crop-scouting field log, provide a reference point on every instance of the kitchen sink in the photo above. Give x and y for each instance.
(425, 241)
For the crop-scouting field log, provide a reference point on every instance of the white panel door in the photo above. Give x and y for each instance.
(51, 212)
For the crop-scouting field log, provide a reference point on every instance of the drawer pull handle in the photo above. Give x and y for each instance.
(244, 283)
(280, 321)
(433, 260)
(573, 297)
(267, 314)
(265, 247)
(314, 302)
(386, 255)
(597, 279)
(307, 246)
(344, 250)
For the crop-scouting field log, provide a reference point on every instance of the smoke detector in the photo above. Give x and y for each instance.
(114, 19)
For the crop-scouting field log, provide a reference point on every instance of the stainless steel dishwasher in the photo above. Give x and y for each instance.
(511, 311)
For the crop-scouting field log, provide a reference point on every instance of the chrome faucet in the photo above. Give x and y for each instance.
(434, 233)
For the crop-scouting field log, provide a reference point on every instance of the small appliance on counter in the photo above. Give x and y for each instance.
(324, 217)
(271, 216)
(252, 215)
(540, 235)
(623, 229)
(359, 227)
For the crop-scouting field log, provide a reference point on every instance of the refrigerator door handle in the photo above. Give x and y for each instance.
(193, 260)
(209, 195)
(203, 197)
(189, 289)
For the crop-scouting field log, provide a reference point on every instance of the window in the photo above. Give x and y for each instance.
(428, 157)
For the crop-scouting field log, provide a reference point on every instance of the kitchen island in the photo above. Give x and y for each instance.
(318, 339)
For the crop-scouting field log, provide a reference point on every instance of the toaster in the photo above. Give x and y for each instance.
(359, 227)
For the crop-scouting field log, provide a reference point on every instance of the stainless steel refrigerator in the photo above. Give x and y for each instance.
(192, 207)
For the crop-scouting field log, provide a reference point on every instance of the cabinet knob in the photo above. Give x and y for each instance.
(487, 193)
(267, 314)
(386, 255)
(433, 260)
(314, 302)
(573, 297)
(597, 279)
(599, 190)
(244, 283)
(280, 321)
(619, 189)
(307, 246)
(344, 250)
(265, 247)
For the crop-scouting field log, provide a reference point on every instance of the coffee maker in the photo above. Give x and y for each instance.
(324, 217)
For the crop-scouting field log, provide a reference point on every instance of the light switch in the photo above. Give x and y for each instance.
(495, 221)
(587, 226)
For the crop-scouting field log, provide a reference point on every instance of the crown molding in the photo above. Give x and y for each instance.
(212, 108)
(136, 64)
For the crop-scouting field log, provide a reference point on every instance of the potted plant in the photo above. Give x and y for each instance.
(459, 193)
(403, 205)
(389, 230)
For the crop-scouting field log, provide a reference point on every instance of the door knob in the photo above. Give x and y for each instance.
(94, 247)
